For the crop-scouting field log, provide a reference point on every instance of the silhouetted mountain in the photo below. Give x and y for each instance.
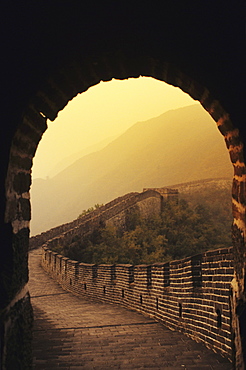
(179, 146)
(66, 162)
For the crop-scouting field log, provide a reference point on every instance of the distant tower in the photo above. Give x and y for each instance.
(166, 193)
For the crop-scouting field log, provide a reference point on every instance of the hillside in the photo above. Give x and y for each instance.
(199, 221)
(214, 195)
(67, 161)
(155, 153)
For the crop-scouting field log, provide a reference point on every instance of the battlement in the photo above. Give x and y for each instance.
(191, 295)
(166, 193)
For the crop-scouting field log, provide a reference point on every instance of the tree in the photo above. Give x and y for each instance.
(181, 230)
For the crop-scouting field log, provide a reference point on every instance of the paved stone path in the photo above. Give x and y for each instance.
(73, 333)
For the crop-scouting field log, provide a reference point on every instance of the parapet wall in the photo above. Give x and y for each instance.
(191, 295)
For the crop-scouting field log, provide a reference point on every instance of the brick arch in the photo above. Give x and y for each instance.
(77, 77)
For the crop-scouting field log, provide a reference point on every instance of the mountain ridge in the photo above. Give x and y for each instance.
(67, 161)
(153, 153)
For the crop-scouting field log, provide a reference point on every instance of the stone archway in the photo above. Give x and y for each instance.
(62, 86)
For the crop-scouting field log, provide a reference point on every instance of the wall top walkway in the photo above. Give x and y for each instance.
(190, 295)
(71, 332)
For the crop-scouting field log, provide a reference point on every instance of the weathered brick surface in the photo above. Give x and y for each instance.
(196, 300)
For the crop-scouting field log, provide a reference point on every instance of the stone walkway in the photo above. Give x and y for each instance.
(73, 333)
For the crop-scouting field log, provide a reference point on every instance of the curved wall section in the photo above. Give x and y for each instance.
(38, 240)
(191, 295)
(147, 203)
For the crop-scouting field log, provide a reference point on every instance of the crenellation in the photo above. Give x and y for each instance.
(180, 305)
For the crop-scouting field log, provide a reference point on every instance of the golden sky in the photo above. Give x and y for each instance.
(105, 110)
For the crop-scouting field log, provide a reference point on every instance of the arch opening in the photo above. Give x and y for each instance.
(131, 189)
(55, 95)
(35, 124)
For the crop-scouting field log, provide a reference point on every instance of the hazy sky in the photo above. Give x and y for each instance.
(105, 110)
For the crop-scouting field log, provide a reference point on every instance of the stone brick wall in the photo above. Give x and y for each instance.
(191, 295)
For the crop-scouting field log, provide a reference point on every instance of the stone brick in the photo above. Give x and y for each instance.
(22, 182)
(18, 336)
(25, 209)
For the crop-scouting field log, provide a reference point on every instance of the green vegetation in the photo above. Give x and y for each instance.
(183, 229)
(89, 210)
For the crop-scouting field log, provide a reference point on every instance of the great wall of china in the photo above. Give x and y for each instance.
(191, 295)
